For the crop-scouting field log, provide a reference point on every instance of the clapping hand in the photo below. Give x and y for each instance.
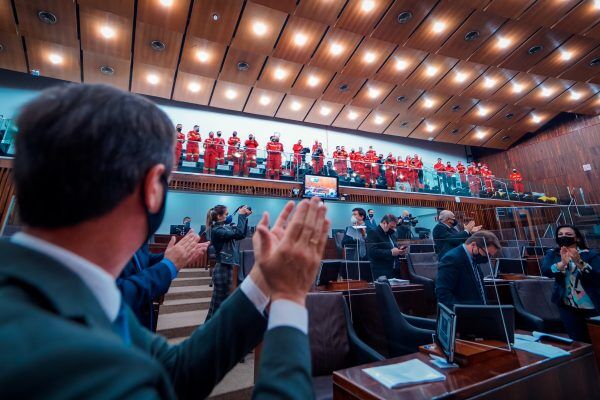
(186, 250)
(564, 259)
(288, 256)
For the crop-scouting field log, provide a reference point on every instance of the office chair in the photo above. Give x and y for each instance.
(533, 305)
(404, 333)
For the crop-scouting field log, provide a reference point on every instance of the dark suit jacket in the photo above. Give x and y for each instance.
(379, 251)
(143, 282)
(455, 282)
(446, 238)
(371, 224)
(58, 343)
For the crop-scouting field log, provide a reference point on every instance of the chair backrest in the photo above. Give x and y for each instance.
(536, 298)
(518, 243)
(421, 248)
(327, 332)
(334, 231)
(338, 237)
(247, 261)
(510, 252)
(546, 242)
(246, 244)
(423, 264)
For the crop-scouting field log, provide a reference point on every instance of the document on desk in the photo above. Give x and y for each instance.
(396, 375)
(541, 349)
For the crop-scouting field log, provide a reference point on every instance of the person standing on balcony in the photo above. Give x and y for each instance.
(232, 145)
(250, 154)
(192, 149)
(517, 180)
(220, 142)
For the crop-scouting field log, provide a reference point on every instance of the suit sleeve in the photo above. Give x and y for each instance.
(592, 276)
(197, 364)
(285, 369)
(446, 280)
(155, 258)
(143, 287)
(377, 249)
(547, 263)
(455, 239)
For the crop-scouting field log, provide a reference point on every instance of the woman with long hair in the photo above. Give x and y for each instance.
(576, 273)
(223, 236)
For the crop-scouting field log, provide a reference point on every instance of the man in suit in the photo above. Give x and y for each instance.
(445, 235)
(148, 276)
(459, 279)
(381, 247)
(370, 222)
(66, 331)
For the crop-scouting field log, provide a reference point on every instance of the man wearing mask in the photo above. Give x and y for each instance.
(210, 154)
(352, 157)
(517, 181)
(418, 164)
(356, 236)
(461, 169)
(440, 168)
(340, 161)
(274, 151)
(328, 170)
(250, 154)
(178, 145)
(390, 171)
(445, 237)
(382, 247)
(220, 142)
(192, 150)
(317, 158)
(450, 178)
(474, 182)
(232, 145)
(370, 222)
(459, 279)
(297, 149)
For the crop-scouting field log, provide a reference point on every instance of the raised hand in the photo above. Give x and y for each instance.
(186, 250)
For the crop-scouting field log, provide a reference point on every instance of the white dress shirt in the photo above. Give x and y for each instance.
(103, 286)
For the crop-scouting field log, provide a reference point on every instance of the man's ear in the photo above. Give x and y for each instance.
(154, 188)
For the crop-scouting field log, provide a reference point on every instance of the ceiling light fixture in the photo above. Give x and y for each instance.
(230, 94)
(369, 57)
(438, 27)
(153, 79)
(107, 32)
(107, 70)
(202, 56)
(536, 119)
(296, 106)
(483, 111)
(259, 28)
(264, 100)
(566, 55)
(429, 127)
(280, 74)
(215, 16)
(336, 49)
(313, 81)
(489, 82)
(431, 70)
(352, 115)
(401, 65)
(325, 111)
(575, 95)
(379, 119)
(547, 92)
(597, 4)
(367, 5)
(480, 134)
(428, 103)
(460, 77)
(300, 39)
(194, 87)
(517, 88)
(374, 93)
(55, 58)
(166, 3)
(503, 42)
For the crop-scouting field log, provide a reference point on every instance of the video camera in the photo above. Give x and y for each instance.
(408, 220)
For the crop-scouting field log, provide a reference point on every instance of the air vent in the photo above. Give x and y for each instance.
(455, 108)
(509, 116)
(472, 35)
(243, 66)
(404, 124)
(595, 62)
(401, 99)
(47, 17)
(106, 70)
(505, 138)
(535, 49)
(344, 87)
(404, 17)
(157, 45)
(454, 131)
(215, 16)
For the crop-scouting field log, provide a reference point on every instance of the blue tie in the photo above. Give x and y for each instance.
(121, 326)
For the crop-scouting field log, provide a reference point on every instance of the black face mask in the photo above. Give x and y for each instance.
(154, 220)
(178, 129)
(454, 222)
(479, 259)
(565, 241)
(391, 231)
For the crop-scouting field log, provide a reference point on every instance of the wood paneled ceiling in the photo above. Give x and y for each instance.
(479, 73)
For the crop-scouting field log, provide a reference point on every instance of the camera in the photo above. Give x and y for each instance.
(243, 205)
(408, 220)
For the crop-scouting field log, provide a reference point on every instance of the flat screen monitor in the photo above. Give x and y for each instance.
(510, 266)
(493, 322)
(445, 331)
(356, 270)
(325, 187)
(328, 272)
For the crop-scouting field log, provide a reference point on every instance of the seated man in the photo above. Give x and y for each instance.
(148, 276)
(65, 328)
(459, 279)
(355, 236)
(446, 236)
(381, 247)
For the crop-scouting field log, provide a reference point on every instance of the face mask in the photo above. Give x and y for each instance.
(479, 259)
(229, 220)
(454, 222)
(197, 129)
(234, 134)
(211, 135)
(251, 137)
(391, 231)
(154, 220)
(218, 134)
(371, 215)
(353, 220)
(178, 129)
(565, 241)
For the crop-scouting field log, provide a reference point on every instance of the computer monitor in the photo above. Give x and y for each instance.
(509, 266)
(325, 187)
(328, 272)
(445, 331)
(356, 270)
(491, 322)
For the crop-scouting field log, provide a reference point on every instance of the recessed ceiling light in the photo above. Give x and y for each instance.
(575, 95)
(55, 58)
(230, 94)
(535, 49)
(166, 3)
(428, 103)
(546, 92)
(404, 17)
(536, 119)
(369, 57)
(344, 87)
(460, 77)
(472, 35)
(503, 42)
(517, 88)
(259, 28)
(352, 115)
(336, 49)
(47, 17)
(566, 55)
(456, 108)
(483, 111)
(313, 81)
(401, 99)
(202, 56)
(367, 5)
(107, 32)
(401, 65)
(438, 27)
(264, 100)
(480, 134)
(509, 116)
(153, 79)
(215, 16)
(157, 45)
(243, 66)
(431, 70)
(325, 111)
(300, 39)
(489, 82)
(194, 87)
(107, 70)
(280, 74)
(295, 106)
(379, 119)
(429, 127)
(373, 93)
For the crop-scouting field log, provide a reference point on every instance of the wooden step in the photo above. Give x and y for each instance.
(180, 324)
(188, 292)
(172, 306)
(178, 282)
(193, 273)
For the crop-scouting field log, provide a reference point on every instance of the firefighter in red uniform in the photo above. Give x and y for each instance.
(318, 155)
(237, 158)
(274, 151)
(192, 149)
(440, 168)
(250, 154)
(390, 171)
(344, 164)
(220, 142)
(487, 175)
(461, 169)
(359, 163)
(339, 162)
(450, 178)
(517, 181)
(178, 145)
(297, 149)
(370, 166)
(418, 164)
(210, 154)
(352, 157)
(232, 146)
(473, 177)
(401, 170)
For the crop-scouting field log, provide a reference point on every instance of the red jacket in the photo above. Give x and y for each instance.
(251, 144)
(274, 148)
(297, 148)
(193, 136)
(210, 143)
(461, 168)
(439, 167)
(515, 176)
(233, 141)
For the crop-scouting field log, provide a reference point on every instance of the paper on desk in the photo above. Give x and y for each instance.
(537, 336)
(412, 371)
(541, 349)
(396, 281)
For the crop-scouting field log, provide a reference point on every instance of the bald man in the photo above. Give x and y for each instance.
(446, 237)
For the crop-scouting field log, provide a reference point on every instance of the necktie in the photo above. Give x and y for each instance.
(479, 283)
(121, 326)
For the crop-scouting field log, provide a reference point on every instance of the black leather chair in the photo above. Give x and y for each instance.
(422, 268)
(246, 263)
(338, 237)
(533, 305)
(333, 343)
(421, 248)
(404, 333)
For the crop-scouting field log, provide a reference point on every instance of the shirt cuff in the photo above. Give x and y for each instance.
(171, 266)
(288, 313)
(254, 294)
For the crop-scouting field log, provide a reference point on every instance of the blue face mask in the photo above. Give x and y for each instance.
(229, 220)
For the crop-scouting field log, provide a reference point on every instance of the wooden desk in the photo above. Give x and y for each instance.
(160, 245)
(515, 376)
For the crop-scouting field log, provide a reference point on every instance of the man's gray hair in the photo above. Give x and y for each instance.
(445, 215)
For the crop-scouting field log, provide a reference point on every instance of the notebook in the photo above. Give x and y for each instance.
(541, 349)
(396, 375)
(537, 336)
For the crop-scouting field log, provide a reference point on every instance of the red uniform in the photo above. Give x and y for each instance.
(487, 178)
(232, 143)
(352, 157)
(517, 182)
(418, 172)
(220, 143)
(401, 170)
(371, 166)
(179, 147)
(439, 167)
(297, 148)
(413, 173)
(461, 169)
(359, 164)
(390, 172)
(250, 155)
(192, 149)
(274, 150)
(237, 158)
(210, 155)
(317, 161)
(340, 162)
(474, 183)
